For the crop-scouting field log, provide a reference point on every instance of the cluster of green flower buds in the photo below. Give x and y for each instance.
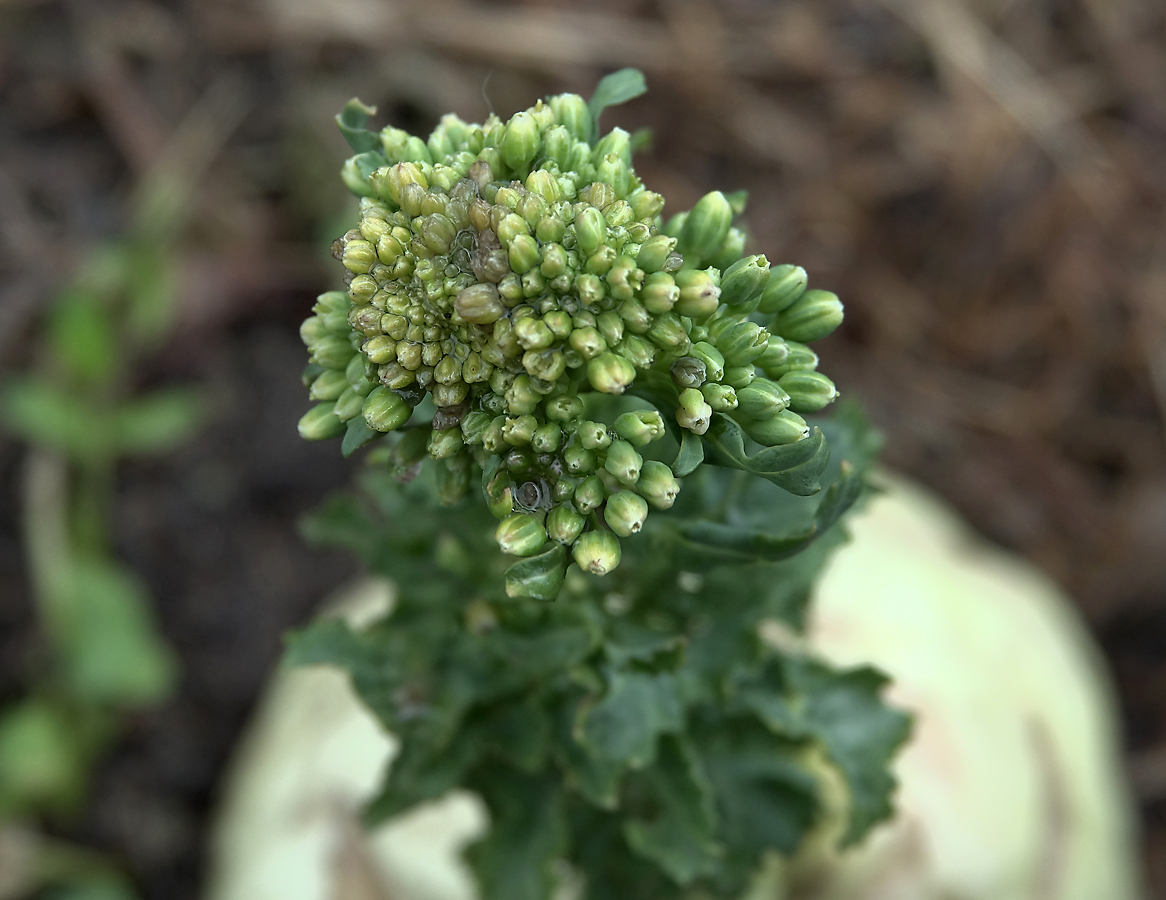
(504, 271)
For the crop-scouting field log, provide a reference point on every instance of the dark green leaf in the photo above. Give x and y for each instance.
(679, 837)
(352, 121)
(705, 545)
(157, 422)
(690, 456)
(626, 723)
(420, 773)
(356, 435)
(633, 646)
(519, 733)
(538, 577)
(528, 833)
(597, 780)
(796, 468)
(616, 88)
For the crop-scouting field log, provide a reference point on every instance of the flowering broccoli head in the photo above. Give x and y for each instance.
(502, 279)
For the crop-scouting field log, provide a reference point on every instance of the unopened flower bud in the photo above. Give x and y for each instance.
(520, 534)
(564, 409)
(320, 423)
(714, 362)
(521, 397)
(731, 250)
(332, 352)
(546, 438)
(348, 405)
(640, 427)
(479, 304)
(658, 485)
(623, 462)
(453, 479)
(610, 374)
(721, 397)
(742, 343)
(739, 377)
(589, 495)
(761, 400)
(699, 294)
(329, 385)
(384, 410)
(705, 228)
(445, 443)
(564, 525)
(587, 342)
(785, 428)
(798, 357)
(786, 283)
(579, 460)
(593, 435)
(520, 142)
(474, 425)
(654, 252)
(524, 254)
(597, 552)
(694, 413)
(810, 318)
(625, 513)
(636, 350)
(659, 293)
(572, 113)
(743, 282)
(590, 230)
(809, 391)
(687, 372)
(668, 333)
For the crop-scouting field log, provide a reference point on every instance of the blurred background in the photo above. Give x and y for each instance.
(982, 181)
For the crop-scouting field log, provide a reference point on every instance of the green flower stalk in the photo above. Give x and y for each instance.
(503, 277)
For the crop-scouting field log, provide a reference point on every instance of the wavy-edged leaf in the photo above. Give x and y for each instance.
(538, 577)
(352, 121)
(616, 88)
(626, 723)
(528, 834)
(705, 545)
(420, 773)
(796, 467)
(680, 836)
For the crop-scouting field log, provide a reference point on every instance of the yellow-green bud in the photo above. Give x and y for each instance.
(731, 250)
(523, 253)
(705, 228)
(385, 411)
(699, 294)
(798, 357)
(564, 525)
(591, 289)
(714, 362)
(593, 435)
(547, 437)
(348, 405)
(775, 354)
(811, 317)
(623, 462)
(610, 374)
(533, 334)
(587, 342)
(520, 142)
(520, 534)
(809, 392)
(546, 365)
(557, 143)
(667, 332)
(521, 398)
(654, 252)
(500, 496)
(610, 326)
(564, 409)
(518, 431)
(597, 552)
(636, 350)
(359, 256)
(659, 293)
(658, 485)
(742, 343)
(320, 423)
(640, 427)
(721, 397)
(625, 513)
(786, 283)
(785, 428)
(739, 376)
(572, 113)
(589, 495)
(743, 282)
(479, 304)
(694, 413)
(579, 460)
(474, 425)
(590, 230)
(636, 319)
(329, 385)
(445, 443)
(332, 352)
